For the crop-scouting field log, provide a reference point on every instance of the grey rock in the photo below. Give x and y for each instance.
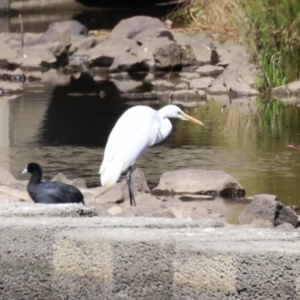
(281, 91)
(162, 84)
(198, 181)
(125, 86)
(182, 86)
(202, 83)
(128, 62)
(78, 182)
(11, 88)
(189, 98)
(209, 70)
(104, 53)
(131, 27)
(294, 88)
(119, 192)
(6, 178)
(189, 76)
(75, 27)
(240, 90)
(169, 54)
(82, 43)
(217, 89)
(267, 207)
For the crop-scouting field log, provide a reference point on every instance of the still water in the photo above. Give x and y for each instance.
(65, 128)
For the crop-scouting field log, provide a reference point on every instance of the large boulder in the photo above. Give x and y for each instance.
(6, 178)
(267, 207)
(196, 181)
(78, 182)
(140, 44)
(131, 27)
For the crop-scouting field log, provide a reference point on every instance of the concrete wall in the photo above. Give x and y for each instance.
(38, 5)
(144, 258)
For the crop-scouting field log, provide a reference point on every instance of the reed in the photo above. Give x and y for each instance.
(270, 28)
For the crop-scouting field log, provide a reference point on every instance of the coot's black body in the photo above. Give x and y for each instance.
(49, 192)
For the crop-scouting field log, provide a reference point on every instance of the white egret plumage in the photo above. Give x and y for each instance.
(137, 129)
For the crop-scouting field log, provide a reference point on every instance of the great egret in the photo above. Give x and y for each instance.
(137, 129)
(50, 191)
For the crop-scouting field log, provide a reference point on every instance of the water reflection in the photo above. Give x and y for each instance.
(66, 129)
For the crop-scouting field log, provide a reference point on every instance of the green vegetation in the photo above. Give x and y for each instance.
(270, 28)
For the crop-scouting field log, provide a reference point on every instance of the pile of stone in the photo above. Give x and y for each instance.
(138, 52)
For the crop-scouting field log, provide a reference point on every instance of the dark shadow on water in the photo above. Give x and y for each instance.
(81, 113)
(78, 116)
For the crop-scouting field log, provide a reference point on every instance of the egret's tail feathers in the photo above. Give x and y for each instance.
(110, 175)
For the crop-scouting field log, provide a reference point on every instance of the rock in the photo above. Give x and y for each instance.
(7, 54)
(125, 86)
(196, 181)
(162, 85)
(217, 89)
(118, 193)
(202, 83)
(6, 178)
(267, 207)
(259, 223)
(131, 27)
(75, 27)
(115, 210)
(189, 76)
(163, 213)
(61, 32)
(78, 182)
(200, 45)
(199, 212)
(9, 194)
(188, 98)
(182, 86)
(39, 57)
(238, 72)
(183, 94)
(107, 50)
(170, 54)
(240, 90)
(82, 43)
(209, 70)
(149, 77)
(280, 91)
(11, 88)
(285, 227)
(294, 88)
(128, 62)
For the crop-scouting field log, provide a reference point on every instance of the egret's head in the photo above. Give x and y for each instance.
(173, 111)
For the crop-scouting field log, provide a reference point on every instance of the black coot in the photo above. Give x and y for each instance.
(50, 191)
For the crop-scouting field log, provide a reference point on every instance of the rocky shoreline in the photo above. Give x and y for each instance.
(143, 59)
(138, 51)
(178, 195)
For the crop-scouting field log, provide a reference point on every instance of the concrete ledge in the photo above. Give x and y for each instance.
(144, 258)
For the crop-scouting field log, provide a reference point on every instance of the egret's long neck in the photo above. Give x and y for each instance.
(163, 112)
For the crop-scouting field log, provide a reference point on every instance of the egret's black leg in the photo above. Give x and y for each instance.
(128, 180)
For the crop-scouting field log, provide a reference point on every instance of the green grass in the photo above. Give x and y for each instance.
(271, 29)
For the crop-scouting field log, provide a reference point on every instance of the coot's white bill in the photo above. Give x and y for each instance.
(24, 171)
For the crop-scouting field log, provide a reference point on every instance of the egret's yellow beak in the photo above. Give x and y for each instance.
(189, 118)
